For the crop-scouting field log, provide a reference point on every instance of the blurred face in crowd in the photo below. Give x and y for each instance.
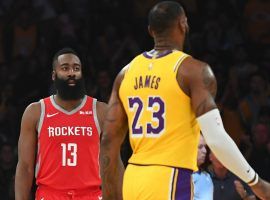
(261, 134)
(103, 79)
(257, 84)
(6, 154)
(201, 151)
(67, 77)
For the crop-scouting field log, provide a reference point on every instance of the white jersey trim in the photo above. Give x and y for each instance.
(42, 114)
(95, 116)
(65, 111)
(40, 123)
(179, 61)
(171, 184)
(37, 166)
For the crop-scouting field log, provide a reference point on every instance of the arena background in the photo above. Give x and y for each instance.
(233, 36)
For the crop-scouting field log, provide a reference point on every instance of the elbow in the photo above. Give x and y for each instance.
(25, 169)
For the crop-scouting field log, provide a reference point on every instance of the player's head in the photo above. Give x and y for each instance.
(201, 151)
(67, 75)
(167, 19)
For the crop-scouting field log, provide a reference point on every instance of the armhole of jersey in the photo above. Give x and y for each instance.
(127, 68)
(178, 63)
(39, 126)
(175, 70)
(95, 115)
(37, 167)
(41, 118)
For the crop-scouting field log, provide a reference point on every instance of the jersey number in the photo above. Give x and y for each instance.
(156, 106)
(69, 149)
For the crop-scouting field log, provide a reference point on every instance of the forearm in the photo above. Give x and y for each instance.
(23, 183)
(112, 170)
(224, 148)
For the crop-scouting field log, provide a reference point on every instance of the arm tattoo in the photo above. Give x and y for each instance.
(201, 107)
(210, 85)
(209, 81)
(105, 161)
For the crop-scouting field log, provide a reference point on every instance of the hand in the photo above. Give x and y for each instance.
(240, 189)
(262, 189)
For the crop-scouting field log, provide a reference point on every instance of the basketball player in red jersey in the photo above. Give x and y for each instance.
(60, 137)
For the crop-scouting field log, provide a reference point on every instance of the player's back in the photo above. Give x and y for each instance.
(68, 146)
(163, 128)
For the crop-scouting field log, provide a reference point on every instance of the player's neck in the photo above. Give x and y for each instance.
(166, 43)
(67, 105)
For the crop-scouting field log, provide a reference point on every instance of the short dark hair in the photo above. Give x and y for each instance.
(66, 50)
(163, 15)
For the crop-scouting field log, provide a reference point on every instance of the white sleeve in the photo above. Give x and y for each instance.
(224, 147)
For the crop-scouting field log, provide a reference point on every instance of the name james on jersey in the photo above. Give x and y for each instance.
(148, 81)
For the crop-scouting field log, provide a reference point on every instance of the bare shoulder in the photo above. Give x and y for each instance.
(31, 116)
(104, 110)
(101, 106)
(33, 109)
(198, 81)
(194, 72)
(120, 77)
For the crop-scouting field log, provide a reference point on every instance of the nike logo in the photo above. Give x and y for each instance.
(42, 198)
(248, 170)
(99, 198)
(51, 115)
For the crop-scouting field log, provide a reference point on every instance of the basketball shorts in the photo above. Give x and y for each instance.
(157, 183)
(46, 193)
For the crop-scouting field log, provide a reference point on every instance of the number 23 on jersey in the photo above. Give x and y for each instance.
(155, 107)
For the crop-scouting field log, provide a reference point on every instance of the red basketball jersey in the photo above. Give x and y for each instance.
(68, 146)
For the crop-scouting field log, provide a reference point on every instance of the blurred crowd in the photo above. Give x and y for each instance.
(233, 36)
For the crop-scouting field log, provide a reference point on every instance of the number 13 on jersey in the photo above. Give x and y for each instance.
(69, 154)
(153, 127)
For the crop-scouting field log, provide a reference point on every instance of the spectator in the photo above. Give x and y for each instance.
(7, 169)
(255, 99)
(260, 155)
(25, 34)
(226, 185)
(257, 16)
(203, 185)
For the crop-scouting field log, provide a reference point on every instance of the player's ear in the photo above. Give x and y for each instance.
(182, 24)
(53, 75)
(150, 31)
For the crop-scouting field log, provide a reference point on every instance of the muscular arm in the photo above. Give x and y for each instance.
(26, 152)
(198, 81)
(115, 129)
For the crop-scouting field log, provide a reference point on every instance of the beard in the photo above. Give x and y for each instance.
(67, 92)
